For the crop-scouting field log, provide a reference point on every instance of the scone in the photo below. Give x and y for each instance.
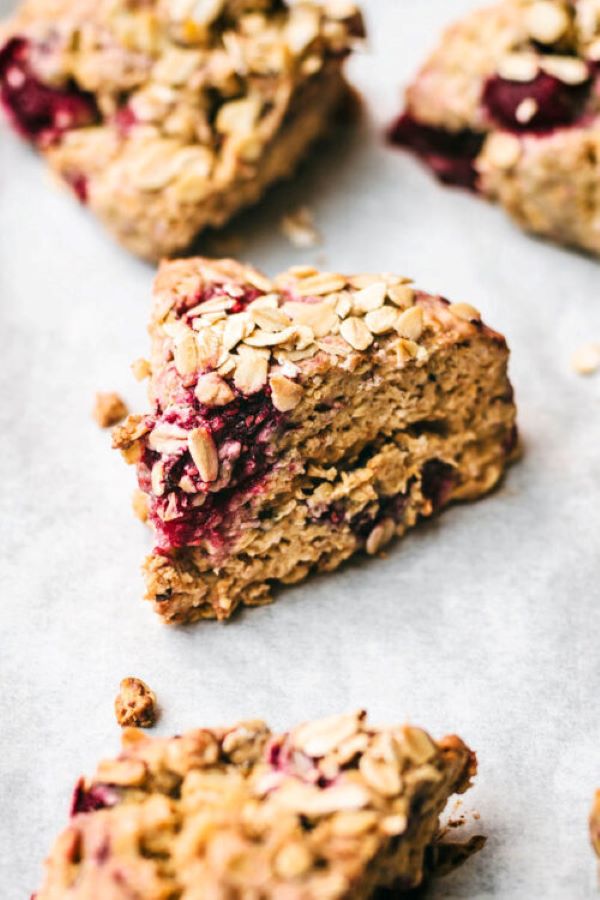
(509, 105)
(297, 420)
(331, 810)
(167, 116)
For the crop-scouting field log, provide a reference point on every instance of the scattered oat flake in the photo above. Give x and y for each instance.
(586, 360)
(299, 228)
(109, 409)
(135, 704)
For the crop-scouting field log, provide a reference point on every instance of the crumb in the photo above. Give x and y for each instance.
(299, 228)
(139, 502)
(109, 409)
(141, 369)
(135, 704)
(586, 360)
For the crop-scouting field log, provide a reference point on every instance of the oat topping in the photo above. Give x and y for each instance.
(331, 809)
(547, 21)
(109, 409)
(135, 704)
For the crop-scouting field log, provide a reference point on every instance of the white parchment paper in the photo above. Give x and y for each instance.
(486, 622)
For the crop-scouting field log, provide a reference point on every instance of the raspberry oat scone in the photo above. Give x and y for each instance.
(167, 116)
(332, 809)
(509, 105)
(297, 420)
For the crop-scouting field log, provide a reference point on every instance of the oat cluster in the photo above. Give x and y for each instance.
(109, 409)
(329, 810)
(135, 704)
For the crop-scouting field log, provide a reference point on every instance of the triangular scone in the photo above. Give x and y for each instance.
(507, 104)
(298, 420)
(329, 811)
(168, 116)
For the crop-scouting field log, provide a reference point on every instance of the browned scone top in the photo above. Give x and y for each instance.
(168, 116)
(332, 809)
(507, 104)
(299, 419)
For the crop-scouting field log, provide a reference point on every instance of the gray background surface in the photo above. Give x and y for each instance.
(485, 622)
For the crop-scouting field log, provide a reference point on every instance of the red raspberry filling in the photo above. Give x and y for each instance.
(438, 480)
(37, 111)
(283, 757)
(449, 155)
(244, 432)
(99, 796)
(557, 103)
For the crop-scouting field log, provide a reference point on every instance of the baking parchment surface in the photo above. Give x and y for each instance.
(485, 622)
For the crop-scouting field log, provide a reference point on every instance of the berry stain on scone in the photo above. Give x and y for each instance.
(168, 116)
(509, 106)
(298, 420)
(332, 810)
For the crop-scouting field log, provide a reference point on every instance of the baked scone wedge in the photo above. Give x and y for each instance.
(331, 810)
(297, 420)
(168, 116)
(508, 105)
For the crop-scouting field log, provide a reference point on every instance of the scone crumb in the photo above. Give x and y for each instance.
(141, 369)
(586, 359)
(299, 228)
(109, 409)
(139, 503)
(135, 704)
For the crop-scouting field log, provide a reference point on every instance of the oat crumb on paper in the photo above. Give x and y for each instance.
(300, 229)
(135, 704)
(109, 409)
(141, 369)
(586, 359)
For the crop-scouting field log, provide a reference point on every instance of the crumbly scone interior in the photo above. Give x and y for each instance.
(333, 809)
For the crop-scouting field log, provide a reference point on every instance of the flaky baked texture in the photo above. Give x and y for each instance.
(297, 420)
(168, 116)
(332, 809)
(508, 105)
